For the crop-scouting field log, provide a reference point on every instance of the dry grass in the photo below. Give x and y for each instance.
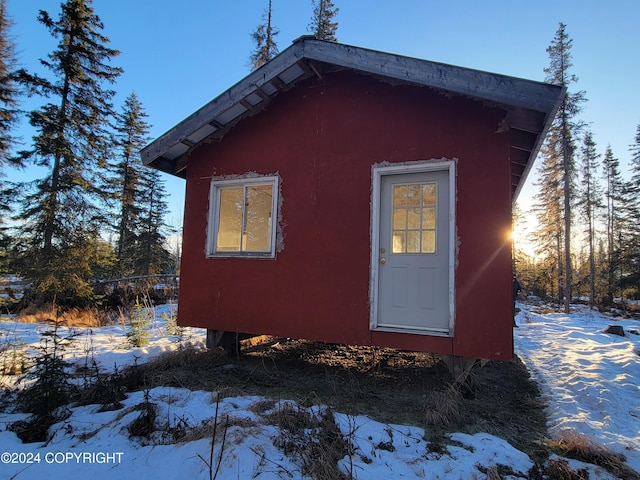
(493, 473)
(314, 439)
(182, 432)
(74, 317)
(288, 416)
(559, 469)
(183, 368)
(443, 408)
(390, 386)
(571, 444)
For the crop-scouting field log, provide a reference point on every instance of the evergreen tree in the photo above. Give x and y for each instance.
(131, 136)
(9, 93)
(322, 25)
(614, 185)
(559, 165)
(548, 211)
(61, 212)
(264, 38)
(9, 89)
(152, 256)
(634, 148)
(590, 201)
(633, 191)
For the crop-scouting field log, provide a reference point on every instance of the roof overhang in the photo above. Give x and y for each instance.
(531, 106)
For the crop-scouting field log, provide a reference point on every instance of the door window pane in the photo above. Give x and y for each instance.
(414, 218)
(399, 218)
(413, 241)
(429, 241)
(429, 218)
(429, 192)
(399, 196)
(413, 195)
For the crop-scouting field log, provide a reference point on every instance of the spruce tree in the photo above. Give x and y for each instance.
(61, 213)
(131, 136)
(590, 202)
(9, 88)
(9, 113)
(264, 38)
(322, 25)
(558, 152)
(633, 192)
(548, 211)
(614, 185)
(634, 148)
(152, 255)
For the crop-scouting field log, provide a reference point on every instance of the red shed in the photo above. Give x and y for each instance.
(346, 195)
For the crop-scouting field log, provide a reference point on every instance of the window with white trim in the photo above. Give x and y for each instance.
(242, 217)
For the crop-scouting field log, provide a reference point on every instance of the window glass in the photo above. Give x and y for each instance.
(414, 218)
(257, 232)
(230, 219)
(242, 217)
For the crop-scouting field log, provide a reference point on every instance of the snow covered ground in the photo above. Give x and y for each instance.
(589, 379)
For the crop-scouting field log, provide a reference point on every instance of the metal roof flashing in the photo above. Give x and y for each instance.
(531, 105)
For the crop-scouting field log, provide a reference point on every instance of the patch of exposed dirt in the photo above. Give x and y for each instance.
(388, 385)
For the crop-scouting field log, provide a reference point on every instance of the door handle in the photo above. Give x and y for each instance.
(383, 261)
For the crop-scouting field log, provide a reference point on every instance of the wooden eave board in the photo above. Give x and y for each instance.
(494, 87)
(534, 103)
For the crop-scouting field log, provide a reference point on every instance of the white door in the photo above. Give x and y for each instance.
(413, 259)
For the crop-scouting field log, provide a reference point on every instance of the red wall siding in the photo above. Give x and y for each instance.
(322, 138)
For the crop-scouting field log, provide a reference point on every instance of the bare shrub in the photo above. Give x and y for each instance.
(144, 424)
(499, 472)
(213, 472)
(35, 428)
(105, 389)
(559, 469)
(182, 432)
(315, 439)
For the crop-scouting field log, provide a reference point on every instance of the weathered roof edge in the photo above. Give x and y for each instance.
(296, 62)
(550, 116)
(480, 84)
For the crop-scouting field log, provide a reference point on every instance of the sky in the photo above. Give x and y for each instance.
(588, 381)
(177, 56)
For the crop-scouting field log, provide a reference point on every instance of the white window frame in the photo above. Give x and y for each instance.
(213, 215)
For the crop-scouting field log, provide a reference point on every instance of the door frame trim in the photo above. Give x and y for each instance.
(385, 169)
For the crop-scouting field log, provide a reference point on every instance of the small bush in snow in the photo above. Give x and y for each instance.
(50, 391)
(139, 323)
(13, 359)
(171, 326)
